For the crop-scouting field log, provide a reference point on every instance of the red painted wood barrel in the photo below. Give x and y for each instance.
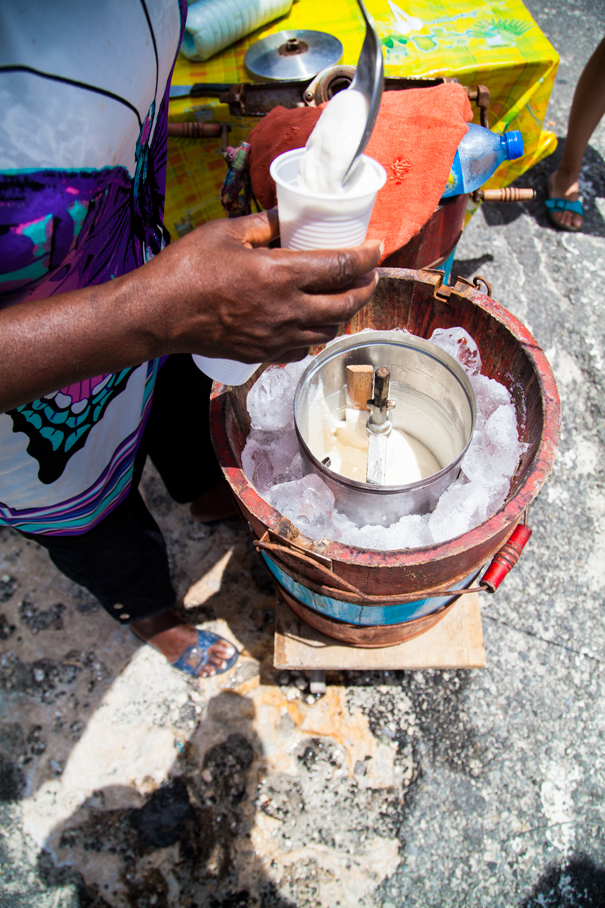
(418, 301)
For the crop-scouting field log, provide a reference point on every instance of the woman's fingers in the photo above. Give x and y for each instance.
(323, 270)
(340, 305)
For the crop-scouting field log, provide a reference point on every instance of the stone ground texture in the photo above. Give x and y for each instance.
(123, 783)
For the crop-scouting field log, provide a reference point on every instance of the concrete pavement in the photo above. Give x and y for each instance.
(125, 784)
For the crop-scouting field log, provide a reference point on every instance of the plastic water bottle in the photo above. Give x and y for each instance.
(213, 25)
(479, 154)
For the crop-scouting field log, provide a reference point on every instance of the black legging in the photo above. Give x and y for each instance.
(123, 560)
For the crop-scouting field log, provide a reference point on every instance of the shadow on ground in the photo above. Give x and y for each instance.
(578, 883)
(179, 845)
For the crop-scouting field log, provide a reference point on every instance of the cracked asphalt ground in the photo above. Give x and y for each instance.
(124, 783)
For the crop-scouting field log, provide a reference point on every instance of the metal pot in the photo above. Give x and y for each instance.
(434, 403)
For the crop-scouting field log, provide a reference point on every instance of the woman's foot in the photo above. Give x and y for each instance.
(561, 186)
(217, 503)
(173, 638)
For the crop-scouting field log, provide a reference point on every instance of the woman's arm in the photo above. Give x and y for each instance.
(217, 291)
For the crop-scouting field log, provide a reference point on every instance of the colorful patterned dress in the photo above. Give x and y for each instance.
(84, 104)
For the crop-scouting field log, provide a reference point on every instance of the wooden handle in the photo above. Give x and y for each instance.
(359, 386)
(505, 560)
(195, 130)
(509, 194)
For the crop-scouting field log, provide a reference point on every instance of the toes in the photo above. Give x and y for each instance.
(223, 649)
(218, 656)
(563, 218)
(568, 219)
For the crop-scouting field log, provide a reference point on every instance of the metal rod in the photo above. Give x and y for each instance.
(379, 427)
(379, 404)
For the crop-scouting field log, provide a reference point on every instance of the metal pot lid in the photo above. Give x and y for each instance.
(293, 55)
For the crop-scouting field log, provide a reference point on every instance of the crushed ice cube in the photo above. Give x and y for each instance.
(271, 400)
(307, 502)
(490, 395)
(460, 346)
(271, 457)
(502, 441)
(462, 506)
(256, 462)
(295, 370)
(409, 532)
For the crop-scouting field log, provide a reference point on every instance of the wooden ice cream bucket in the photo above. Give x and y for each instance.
(375, 598)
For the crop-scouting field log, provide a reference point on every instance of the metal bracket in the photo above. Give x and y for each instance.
(480, 96)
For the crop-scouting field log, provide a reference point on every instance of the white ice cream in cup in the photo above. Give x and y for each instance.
(318, 220)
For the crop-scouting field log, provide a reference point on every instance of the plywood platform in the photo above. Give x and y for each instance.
(454, 642)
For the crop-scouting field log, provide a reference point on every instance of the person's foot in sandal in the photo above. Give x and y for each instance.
(563, 205)
(198, 653)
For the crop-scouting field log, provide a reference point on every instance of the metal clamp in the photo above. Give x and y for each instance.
(327, 84)
(265, 545)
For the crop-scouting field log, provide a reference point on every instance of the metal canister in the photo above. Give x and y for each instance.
(435, 404)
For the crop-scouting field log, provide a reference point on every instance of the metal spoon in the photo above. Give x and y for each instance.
(369, 80)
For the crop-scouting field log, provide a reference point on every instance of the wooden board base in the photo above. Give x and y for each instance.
(454, 642)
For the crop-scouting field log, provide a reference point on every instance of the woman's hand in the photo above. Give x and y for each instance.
(226, 295)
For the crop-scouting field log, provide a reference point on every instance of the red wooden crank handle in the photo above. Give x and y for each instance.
(505, 560)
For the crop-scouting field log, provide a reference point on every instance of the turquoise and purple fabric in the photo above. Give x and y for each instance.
(66, 460)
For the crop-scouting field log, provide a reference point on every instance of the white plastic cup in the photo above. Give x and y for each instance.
(227, 371)
(322, 221)
(308, 221)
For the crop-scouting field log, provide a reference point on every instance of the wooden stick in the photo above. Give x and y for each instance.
(359, 386)
(195, 130)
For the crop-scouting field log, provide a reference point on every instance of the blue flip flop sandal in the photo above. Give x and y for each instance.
(196, 657)
(553, 205)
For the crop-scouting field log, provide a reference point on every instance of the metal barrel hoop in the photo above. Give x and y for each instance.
(500, 566)
(341, 585)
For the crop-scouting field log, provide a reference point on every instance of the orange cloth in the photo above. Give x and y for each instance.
(415, 139)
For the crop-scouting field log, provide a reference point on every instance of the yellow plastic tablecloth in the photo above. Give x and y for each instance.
(497, 44)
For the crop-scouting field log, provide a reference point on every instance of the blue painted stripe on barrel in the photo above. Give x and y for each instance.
(363, 615)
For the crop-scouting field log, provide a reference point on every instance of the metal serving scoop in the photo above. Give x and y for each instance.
(369, 80)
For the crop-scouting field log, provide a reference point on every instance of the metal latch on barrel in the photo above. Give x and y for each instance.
(276, 541)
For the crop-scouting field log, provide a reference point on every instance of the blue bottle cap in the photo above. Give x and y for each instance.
(514, 144)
